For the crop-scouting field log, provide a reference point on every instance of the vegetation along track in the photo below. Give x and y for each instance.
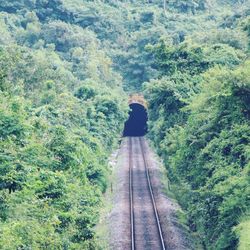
(146, 232)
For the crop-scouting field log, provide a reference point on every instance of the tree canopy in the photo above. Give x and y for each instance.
(64, 66)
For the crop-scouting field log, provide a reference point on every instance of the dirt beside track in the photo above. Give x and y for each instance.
(146, 233)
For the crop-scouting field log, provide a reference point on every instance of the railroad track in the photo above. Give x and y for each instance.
(145, 227)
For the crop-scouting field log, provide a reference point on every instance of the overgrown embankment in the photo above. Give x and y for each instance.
(62, 111)
(62, 63)
(199, 111)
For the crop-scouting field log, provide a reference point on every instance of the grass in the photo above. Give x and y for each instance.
(102, 229)
(243, 232)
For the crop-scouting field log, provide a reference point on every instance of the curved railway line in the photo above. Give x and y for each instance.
(145, 227)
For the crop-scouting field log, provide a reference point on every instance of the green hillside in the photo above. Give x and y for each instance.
(66, 67)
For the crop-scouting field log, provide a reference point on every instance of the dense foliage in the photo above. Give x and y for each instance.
(199, 110)
(62, 64)
(61, 113)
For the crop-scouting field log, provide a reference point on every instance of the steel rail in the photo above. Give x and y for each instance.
(131, 198)
(152, 195)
